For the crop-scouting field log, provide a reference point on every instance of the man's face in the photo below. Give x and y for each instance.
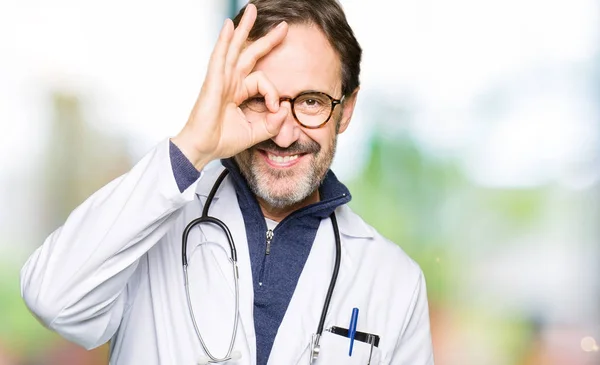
(288, 168)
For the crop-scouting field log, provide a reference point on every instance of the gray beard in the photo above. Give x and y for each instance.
(303, 186)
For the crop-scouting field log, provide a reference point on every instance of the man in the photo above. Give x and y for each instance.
(280, 87)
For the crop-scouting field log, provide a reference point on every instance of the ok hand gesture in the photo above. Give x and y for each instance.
(217, 128)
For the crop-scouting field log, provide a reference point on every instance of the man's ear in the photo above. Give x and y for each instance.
(347, 109)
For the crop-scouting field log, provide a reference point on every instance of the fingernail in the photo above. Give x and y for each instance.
(280, 24)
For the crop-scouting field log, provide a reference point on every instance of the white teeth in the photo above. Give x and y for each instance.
(282, 159)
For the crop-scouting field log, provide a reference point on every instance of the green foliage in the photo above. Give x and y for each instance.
(428, 206)
(19, 330)
(402, 193)
(519, 207)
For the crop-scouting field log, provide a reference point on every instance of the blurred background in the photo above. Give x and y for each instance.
(475, 147)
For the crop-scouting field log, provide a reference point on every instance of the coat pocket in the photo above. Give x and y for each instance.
(334, 351)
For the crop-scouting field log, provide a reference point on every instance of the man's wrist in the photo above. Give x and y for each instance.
(184, 172)
(197, 159)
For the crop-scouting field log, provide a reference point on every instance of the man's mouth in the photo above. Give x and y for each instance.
(279, 160)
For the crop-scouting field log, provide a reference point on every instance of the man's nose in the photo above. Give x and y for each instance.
(290, 130)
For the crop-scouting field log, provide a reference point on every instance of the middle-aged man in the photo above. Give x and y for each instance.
(281, 84)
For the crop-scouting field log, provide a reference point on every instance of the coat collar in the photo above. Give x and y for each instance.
(350, 223)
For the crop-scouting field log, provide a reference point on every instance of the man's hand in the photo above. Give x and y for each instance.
(217, 128)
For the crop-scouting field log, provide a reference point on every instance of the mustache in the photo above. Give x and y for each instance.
(295, 148)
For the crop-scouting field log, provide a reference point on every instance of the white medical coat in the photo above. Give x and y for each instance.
(113, 272)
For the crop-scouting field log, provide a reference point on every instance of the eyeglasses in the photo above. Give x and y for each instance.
(311, 109)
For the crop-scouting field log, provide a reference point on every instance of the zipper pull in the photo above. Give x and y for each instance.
(269, 239)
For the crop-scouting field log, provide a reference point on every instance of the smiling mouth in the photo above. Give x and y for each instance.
(278, 160)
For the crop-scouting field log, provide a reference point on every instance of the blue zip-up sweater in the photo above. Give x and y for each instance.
(276, 274)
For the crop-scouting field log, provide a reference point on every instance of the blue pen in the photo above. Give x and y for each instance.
(352, 328)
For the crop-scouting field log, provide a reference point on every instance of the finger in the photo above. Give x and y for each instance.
(216, 63)
(261, 47)
(269, 126)
(257, 83)
(240, 35)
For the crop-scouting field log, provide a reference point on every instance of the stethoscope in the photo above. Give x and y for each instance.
(205, 218)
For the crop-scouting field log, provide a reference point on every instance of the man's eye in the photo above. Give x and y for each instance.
(311, 103)
(255, 103)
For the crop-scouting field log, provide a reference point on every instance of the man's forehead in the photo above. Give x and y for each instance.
(305, 60)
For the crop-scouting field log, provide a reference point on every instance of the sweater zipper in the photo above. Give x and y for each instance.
(269, 237)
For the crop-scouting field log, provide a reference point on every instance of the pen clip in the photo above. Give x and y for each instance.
(365, 337)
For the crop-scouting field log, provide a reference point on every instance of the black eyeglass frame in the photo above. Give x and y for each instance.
(334, 102)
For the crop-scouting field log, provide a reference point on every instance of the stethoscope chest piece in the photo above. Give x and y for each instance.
(315, 348)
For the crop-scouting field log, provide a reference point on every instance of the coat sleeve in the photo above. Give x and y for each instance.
(414, 346)
(77, 282)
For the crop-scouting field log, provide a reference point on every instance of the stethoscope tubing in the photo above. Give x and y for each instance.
(334, 275)
(205, 218)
